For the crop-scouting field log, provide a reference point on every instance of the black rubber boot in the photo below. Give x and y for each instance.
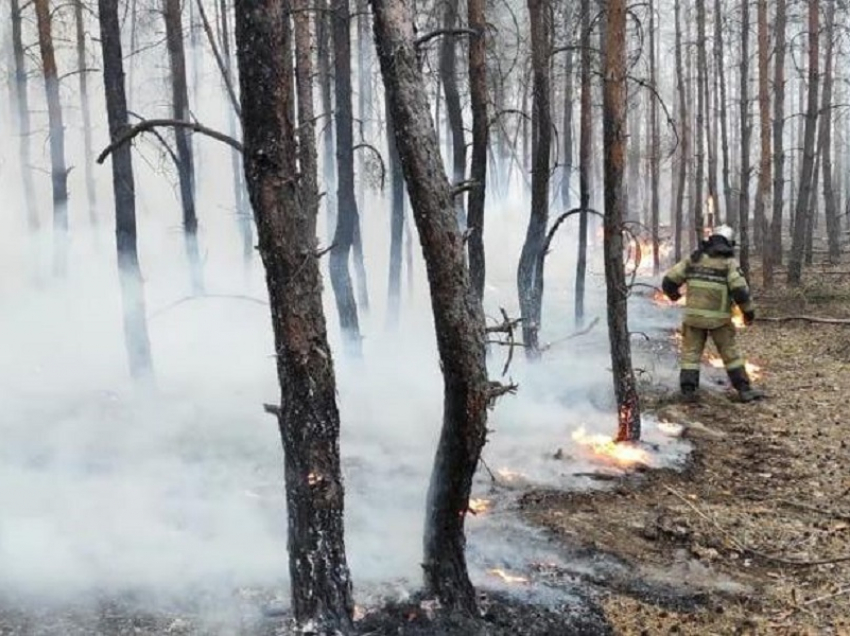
(741, 382)
(689, 383)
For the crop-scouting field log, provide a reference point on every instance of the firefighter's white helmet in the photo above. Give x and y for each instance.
(725, 231)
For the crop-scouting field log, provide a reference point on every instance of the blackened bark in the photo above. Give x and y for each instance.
(347, 216)
(91, 192)
(58, 169)
(746, 131)
(308, 417)
(458, 315)
(833, 227)
(614, 141)
(802, 209)
(136, 337)
(760, 235)
(529, 280)
(654, 144)
(172, 12)
(678, 212)
(396, 224)
(454, 111)
(728, 200)
(480, 141)
(773, 253)
(23, 114)
(584, 160)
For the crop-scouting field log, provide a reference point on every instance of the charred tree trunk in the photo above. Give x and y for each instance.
(58, 169)
(761, 236)
(746, 130)
(130, 276)
(699, 141)
(685, 146)
(833, 227)
(23, 115)
(773, 253)
(307, 416)
(613, 126)
(654, 144)
(719, 62)
(477, 21)
(529, 280)
(807, 168)
(172, 12)
(347, 216)
(458, 315)
(396, 224)
(82, 67)
(584, 160)
(454, 111)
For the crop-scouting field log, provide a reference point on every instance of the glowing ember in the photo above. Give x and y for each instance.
(753, 370)
(607, 449)
(660, 299)
(479, 506)
(737, 317)
(507, 578)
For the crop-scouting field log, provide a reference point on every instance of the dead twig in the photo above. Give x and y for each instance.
(497, 390)
(843, 516)
(812, 319)
(580, 332)
(272, 409)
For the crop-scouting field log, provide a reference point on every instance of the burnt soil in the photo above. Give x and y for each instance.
(757, 527)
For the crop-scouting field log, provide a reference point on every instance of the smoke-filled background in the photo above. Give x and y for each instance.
(177, 489)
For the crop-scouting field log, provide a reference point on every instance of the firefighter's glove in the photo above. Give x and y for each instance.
(749, 317)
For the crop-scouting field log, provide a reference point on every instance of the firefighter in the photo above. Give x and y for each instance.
(714, 281)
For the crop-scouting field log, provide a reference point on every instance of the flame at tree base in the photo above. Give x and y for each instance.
(605, 448)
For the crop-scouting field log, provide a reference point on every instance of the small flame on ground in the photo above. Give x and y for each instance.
(606, 448)
(507, 578)
(509, 475)
(753, 370)
(660, 299)
(479, 506)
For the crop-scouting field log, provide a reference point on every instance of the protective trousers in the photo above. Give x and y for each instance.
(693, 345)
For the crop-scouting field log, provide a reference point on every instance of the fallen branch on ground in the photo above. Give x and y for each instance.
(812, 319)
(578, 333)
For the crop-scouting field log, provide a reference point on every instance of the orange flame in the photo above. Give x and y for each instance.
(479, 506)
(507, 578)
(645, 249)
(606, 448)
(753, 370)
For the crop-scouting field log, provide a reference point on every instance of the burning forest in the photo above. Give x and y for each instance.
(374, 318)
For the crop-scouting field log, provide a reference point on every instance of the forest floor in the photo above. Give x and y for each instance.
(757, 527)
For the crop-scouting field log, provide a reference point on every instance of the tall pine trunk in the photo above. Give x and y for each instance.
(684, 143)
(654, 144)
(477, 21)
(567, 131)
(82, 67)
(58, 169)
(614, 142)
(761, 235)
(347, 214)
(700, 140)
(136, 337)
(458, 315)
(584, 161)
(529, 279)
(454, 110)
(773, 253)
(802, 210)
(307, 416)
(23, 116)
(746, 131)
(396, 224)
(324, 58)
(172, 11)
(728, 201)
(833, 227)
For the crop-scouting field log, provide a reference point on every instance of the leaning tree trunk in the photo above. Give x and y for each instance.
(172, 11)
(685, 148)
(613, 126)
(347, 216)
(458, 315)
(307, 416)
(454, 110)
(746, 130)
(655, 145)
(91, 195)
(833, 227)
(136, 337)
(23, 112)
(802, 210)
(773, 254)
(480, 141)
(584, 160)
(728, 199)
(58, 169)
(529, 279)
(761, 235)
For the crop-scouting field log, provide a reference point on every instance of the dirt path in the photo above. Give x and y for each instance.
(758, 527)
